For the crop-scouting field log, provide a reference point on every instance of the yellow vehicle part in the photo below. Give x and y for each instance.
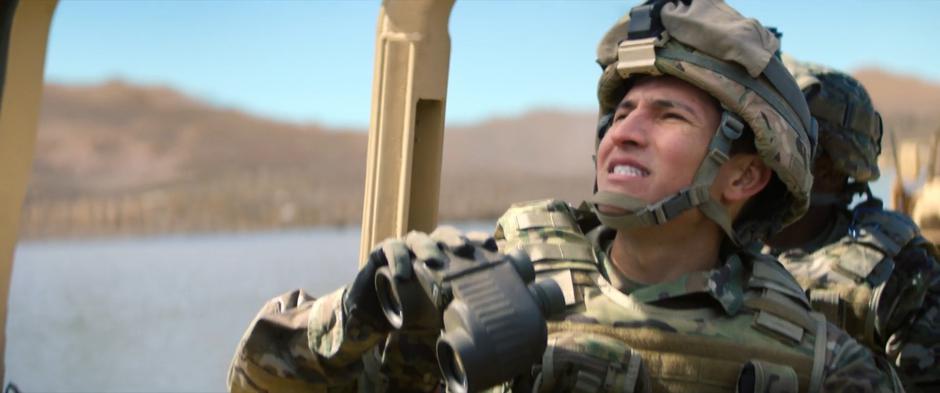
(405, 132)
(932, 156)
(25, 25)
(406, 128)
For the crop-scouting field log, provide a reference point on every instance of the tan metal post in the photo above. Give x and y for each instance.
(932, 156)
(406, 130)
(897, 187)
(25, 30)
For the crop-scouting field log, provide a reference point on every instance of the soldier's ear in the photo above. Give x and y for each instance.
(742, 177)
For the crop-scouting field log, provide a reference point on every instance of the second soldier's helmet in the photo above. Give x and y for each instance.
(850, 129)
(709, 45)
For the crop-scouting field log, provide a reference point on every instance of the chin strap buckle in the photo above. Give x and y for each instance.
(730, 128)
(659, 214)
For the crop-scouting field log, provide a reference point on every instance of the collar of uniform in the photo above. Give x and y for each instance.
(724, 283)
(837, 229)
(615, 277)
(834, 231)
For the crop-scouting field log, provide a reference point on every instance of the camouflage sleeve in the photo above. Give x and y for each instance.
(914, 343)
(298, 344)
(851, 367)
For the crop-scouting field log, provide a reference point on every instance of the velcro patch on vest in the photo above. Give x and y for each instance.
(575, 252)
(543, 219)
(768, 322)
(781, 306)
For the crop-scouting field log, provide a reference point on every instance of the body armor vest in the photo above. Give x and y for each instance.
(850, 280)
(609, 341)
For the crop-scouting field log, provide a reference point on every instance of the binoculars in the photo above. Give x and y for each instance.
(491, 314)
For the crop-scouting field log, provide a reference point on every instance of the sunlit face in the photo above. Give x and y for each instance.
(658, 138)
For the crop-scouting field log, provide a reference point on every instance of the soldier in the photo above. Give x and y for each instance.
(867, 269)
(704, 144)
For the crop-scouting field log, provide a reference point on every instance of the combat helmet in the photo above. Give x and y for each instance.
(850, 129)
(734, 59)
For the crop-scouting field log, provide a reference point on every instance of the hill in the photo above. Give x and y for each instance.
(116, 158)
(119, 158)
(908, 106)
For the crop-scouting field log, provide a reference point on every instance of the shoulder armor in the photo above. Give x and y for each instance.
(546, 214)
(876, 236)
(780, 306)
(887, 230)
(768, 273)
(548, 231)
(846, 280)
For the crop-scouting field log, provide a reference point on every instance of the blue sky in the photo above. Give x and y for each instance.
(311, 61)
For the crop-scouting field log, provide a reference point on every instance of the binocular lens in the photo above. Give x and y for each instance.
(452, 368)
(388, 297)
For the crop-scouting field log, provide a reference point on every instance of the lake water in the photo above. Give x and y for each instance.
(161, 314)
(157, 314)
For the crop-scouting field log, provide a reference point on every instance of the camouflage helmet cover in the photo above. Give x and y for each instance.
(850, 129)
(708, 44)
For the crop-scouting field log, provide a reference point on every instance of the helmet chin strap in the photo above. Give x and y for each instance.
(642, 214)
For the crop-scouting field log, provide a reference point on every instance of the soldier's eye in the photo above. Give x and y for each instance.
(673, 115)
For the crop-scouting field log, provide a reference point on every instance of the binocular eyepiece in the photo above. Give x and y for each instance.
(492, 315)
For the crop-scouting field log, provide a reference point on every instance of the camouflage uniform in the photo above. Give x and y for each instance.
(873, 275)
(744, 321)
(870, 271)
(701, 319)
(301, 344)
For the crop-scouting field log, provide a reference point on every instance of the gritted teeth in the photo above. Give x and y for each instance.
(630, 171)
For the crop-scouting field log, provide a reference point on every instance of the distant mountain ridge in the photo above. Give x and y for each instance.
(117, 150)
(115, 142)
(901, 95)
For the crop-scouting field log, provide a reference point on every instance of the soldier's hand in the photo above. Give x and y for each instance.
(360, 301)
(398, 255)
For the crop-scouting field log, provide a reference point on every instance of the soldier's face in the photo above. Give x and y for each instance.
(658, 138)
